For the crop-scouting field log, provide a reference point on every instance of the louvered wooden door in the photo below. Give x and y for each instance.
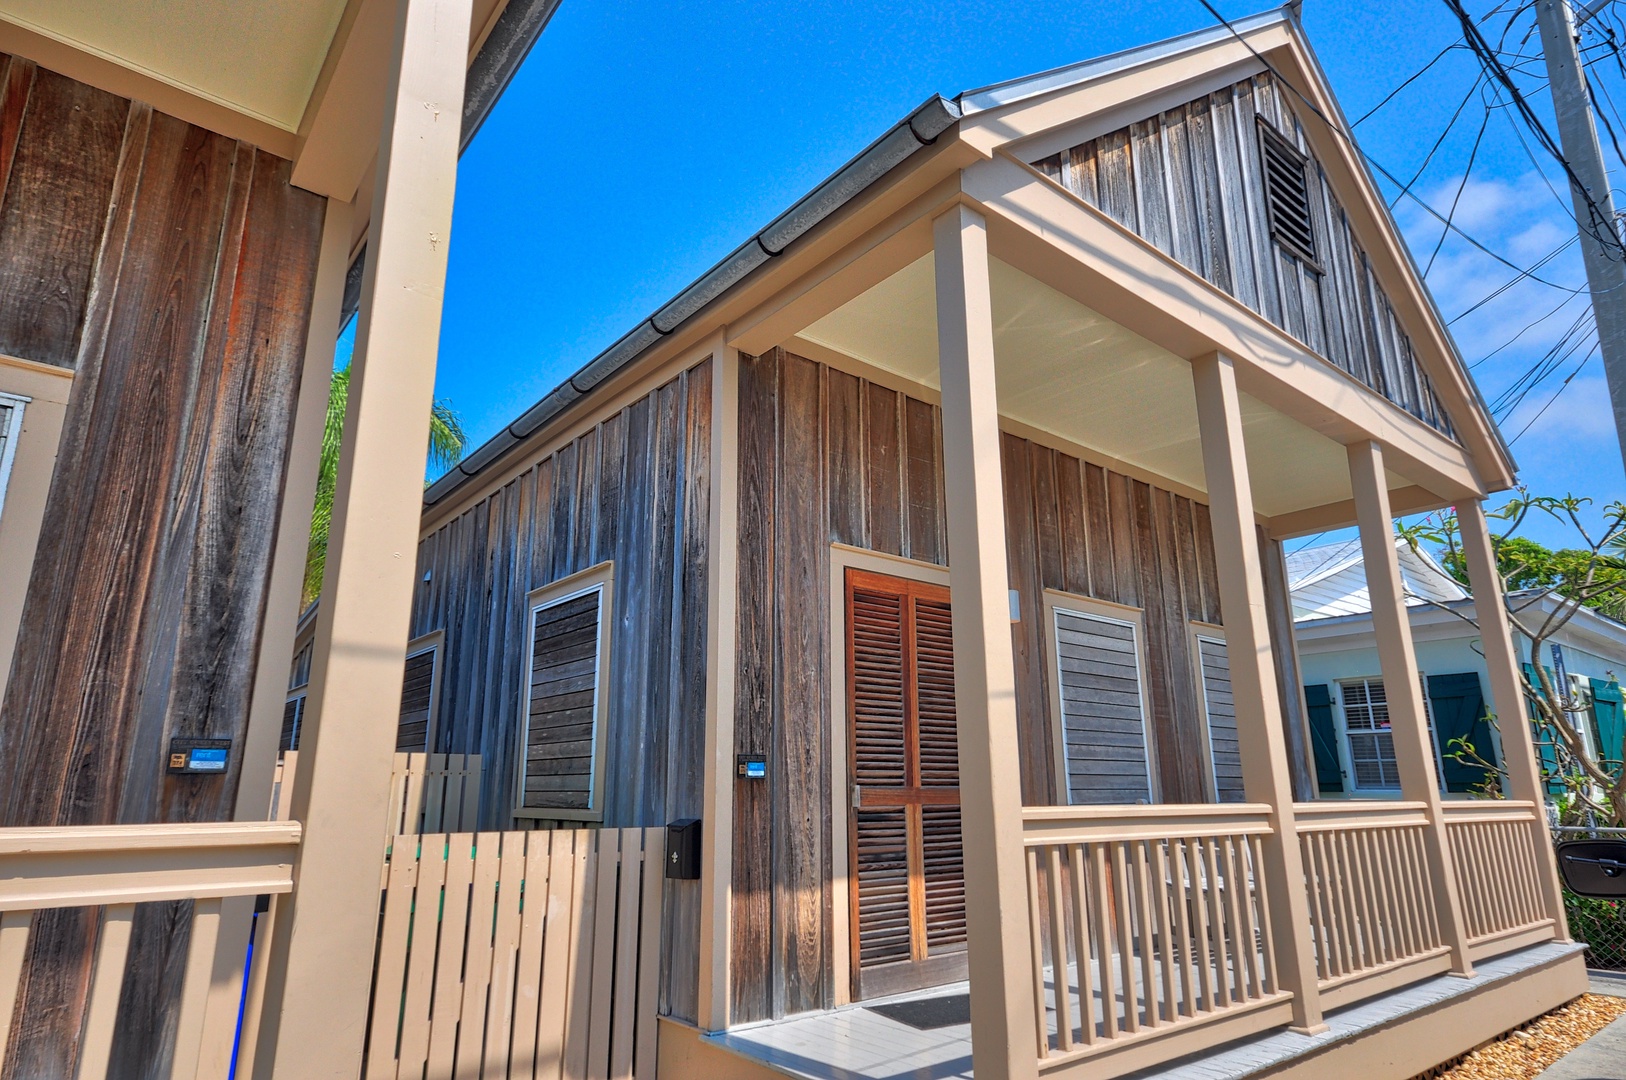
(907, 879)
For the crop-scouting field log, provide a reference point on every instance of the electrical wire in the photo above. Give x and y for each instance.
(1467, 172)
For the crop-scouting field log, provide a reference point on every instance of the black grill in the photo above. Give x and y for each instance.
(1287, 194)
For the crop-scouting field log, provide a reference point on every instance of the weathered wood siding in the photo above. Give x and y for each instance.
(635, 489)
(1189, 182)
(827, 457)
(171, 268)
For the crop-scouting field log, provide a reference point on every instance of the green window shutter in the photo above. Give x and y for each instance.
(1610, 716)
(1459, 713)
(1324, 739)
(1543, 738)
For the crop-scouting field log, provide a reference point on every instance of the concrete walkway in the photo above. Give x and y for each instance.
(1602, 1057)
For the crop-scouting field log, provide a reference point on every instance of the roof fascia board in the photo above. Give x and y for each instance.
(867, 208)
(1410, 499)
(106, 73)
(1061, 240)
(1392, 262)
(1115, 89)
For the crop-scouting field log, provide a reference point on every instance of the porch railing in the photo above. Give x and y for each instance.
(1493, 845)
(1373, 922)
(1146, 925)
(118, 867)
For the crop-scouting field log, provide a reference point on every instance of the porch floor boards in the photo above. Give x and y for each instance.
(855, 1043)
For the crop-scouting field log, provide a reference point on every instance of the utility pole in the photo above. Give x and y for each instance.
(1601, 248)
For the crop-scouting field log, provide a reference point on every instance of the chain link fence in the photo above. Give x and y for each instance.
(1599, 923)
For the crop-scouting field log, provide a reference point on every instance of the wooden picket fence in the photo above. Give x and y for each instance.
(429, 793)
(533, 953)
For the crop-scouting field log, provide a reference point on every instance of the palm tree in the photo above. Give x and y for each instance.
(446, 445)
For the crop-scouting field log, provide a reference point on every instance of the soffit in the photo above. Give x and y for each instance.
(1064, 368)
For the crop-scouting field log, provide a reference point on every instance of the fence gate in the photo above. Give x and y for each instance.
(512, 954)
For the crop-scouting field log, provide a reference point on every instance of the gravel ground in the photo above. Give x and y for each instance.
(1524, 1052)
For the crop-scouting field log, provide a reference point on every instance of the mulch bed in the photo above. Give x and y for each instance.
(1524, 1052)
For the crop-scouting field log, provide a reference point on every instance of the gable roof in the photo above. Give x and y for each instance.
(1329, 580)
(938, 119)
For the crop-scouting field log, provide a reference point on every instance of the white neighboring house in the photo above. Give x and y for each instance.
(1343, 688)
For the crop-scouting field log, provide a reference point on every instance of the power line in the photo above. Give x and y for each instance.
(1467, 172)
(1367, 115)
(1567, 380)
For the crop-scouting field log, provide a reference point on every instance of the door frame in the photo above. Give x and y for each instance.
(843, 558)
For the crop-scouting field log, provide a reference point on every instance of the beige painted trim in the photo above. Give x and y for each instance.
(1197, 631)
(47, 391)
(1058, 238)
(600, 579)
(337, 138)
(1341, 515)
(432, 642)
(115, 77)
(1088, 606)
(722, 653)
(843, 558)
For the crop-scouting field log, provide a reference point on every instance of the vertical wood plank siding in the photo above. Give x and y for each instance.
(635, 489)
(171, 269)
(828, 457)
(1189, 182)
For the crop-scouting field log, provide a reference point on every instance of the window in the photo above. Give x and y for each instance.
(1287, 193)
(293, 710)
(1224, 751)
(419, 690)
(11, 431)
(562, 758)
(1366, 726)
(1098, 701)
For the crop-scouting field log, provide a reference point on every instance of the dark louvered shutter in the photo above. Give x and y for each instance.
(908, 872)
(293, 711)
(1287, 193)
(1458, 703)
(560, 739)
(1103, 721)
(1224, 751)
(417, 683)
(1329, 775)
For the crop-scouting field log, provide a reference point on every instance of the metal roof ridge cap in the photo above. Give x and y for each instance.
(986, 98)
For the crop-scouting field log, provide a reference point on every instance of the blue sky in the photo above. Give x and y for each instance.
(642, 141)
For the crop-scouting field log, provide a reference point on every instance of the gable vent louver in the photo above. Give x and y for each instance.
(1287, 194)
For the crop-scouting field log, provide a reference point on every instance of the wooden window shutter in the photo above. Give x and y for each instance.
(563, 723)
(1103, 717)
(293, 711)
(1219, 710)
(880, 704)
(417, 686)
(942, 857)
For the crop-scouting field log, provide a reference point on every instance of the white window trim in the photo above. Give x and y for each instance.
(599, 579)
(429, 643)
(1344, 749)
(1211, 632)
(1103, 611)
(13, 435)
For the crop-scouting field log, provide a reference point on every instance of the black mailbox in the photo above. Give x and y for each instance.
(1594, 867)
(683, 849)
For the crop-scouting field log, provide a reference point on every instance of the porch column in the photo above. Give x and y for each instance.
(315, 1013)
(1004, 1037)
(1403, 689)
(1266, 775)
(1507, 697)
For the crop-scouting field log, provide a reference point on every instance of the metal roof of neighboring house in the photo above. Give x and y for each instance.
(1329, 580)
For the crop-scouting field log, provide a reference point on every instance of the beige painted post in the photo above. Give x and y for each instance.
(1402, 687)
(1266, 776)
(722, 605)
(1507, 697)
(1003, 1031)
(259, 753)
(319, 977)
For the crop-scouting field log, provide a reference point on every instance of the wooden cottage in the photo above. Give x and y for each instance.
(928, 550)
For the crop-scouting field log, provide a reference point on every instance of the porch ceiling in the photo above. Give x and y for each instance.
(257, 57)
(1068, 370)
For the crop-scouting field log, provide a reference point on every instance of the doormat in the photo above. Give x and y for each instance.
(928, 1014)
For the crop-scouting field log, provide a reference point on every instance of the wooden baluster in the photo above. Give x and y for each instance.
(1216, 922)
(1081, 943)
(1261, 884)
(1182, 922)
(1396, 887)
(1143, 910)
(1166, 953)
(1236, 889)
(107, 982)
(14, 927)
(1058, 956)
(1126, 948)
(1385, 925)
(1415, 880)
(200, 956)
(1360, 945)
(1204, 933)
(1466, 860)
(1248, 877)
(1316, 872)
(1101, 905)
(1036, 939)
